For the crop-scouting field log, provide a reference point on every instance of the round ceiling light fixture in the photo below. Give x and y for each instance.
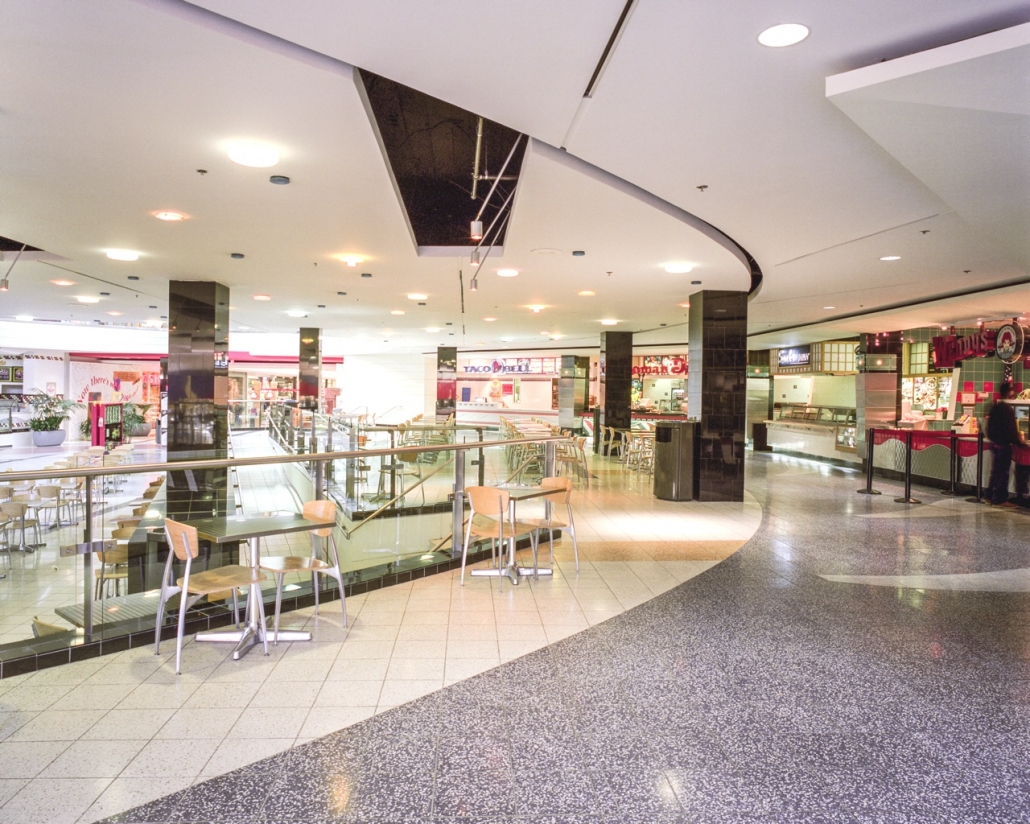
(122, 254)
(537, 308)
(489, 320)
(586, 293)
(63, 282)
(396, 311)
(678, 268)
(262, 297)
(507, 273)
(297, 313)
(891, 257)
(609, 322)
(432, 330)
(507, 339)
(416, 296)
(352, 260)
(114, 313)
(87, 299)
(253, 153)
(171, 217)
(829, 307)
(785, 34)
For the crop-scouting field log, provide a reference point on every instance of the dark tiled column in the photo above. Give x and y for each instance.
(446, 380)
(616, 379)
(309, 385)
(717, 390)
(198, 393)
(877, 385)
(573, 388)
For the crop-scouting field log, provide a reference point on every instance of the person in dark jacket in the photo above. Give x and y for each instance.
(1004, 434)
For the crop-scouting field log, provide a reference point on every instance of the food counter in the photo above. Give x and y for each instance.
(814, 431)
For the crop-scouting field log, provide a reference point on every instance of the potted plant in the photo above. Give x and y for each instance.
(48, 413)
(134, 419)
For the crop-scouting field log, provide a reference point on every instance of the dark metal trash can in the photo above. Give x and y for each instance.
(676, 460)
(760, 437)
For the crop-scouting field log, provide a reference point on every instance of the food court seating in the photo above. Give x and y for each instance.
(491, 518)
(279, 565)
(183, 545)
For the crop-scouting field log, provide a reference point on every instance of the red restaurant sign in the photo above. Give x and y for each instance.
(949, 350)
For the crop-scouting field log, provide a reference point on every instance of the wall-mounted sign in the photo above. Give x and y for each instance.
(949, 350)
(795, 356)
(659, 366)
(1009, 341)
(511, 366)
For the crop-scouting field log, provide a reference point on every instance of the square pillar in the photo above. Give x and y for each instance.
(446, 381)
(616, 379)
(198, 396)
(573, 388)
(877, 384)
(309, 383)
(717, 390)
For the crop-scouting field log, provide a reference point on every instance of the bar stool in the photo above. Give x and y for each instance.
(279, 565)
(184, 544)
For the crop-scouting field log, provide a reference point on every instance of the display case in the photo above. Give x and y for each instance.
(826, 415)
(827, 432)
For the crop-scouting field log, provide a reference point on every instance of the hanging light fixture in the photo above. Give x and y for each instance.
(475, 257)
(476, 230)
(474, 285)
(3, 283)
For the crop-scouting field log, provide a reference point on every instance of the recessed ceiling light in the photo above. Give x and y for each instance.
(351, 260)
(254, 154)
(416, 296)
(170, 216)
(23, 317)
(685, 305)
(63, 282)
(508, 273)
(297, 313)
(586, 293)
(114, 313)
(321, 306)
(153, 307)
(237, 255)
(133, 277)
(279, 180)
(366, 274)
(489, 320)
(829, 307)
(578, 253)
(105, 294)
(545, 333)
(87, 299)
(678, 268)
(341, 294)
(609, 322)
(785, 34)
(433, 329)
(537, 308)
(122, 254)
(396, 311)
(507, 339)
(557, 337)
(891, 257)
(695, 283)
(262, 297)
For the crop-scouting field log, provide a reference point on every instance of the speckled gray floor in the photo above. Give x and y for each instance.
(755, 692)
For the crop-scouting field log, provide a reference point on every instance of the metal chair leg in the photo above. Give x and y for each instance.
(278, 606)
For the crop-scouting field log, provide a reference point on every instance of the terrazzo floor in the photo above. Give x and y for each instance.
(757, 691)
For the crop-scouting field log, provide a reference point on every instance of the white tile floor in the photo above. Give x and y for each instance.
(87, 740)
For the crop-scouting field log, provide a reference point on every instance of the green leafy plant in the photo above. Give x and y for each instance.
(133, 416)
(49, 411)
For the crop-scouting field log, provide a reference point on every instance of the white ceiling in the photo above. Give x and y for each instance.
(107, 109)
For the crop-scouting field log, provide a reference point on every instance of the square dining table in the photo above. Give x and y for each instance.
(229, 529)
(511, 570)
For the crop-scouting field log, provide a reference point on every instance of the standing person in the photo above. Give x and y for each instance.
(1003, 434)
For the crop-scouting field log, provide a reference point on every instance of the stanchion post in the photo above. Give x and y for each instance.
(869, 433)
(458, 507)
(953, 468)
(979, 467)
(908, 499)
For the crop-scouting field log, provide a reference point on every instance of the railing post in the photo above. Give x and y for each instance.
(458, 506)
(482, 461)
(870, 433)
(319, 478)
(908, 499)
(549, 459)
(87, 565)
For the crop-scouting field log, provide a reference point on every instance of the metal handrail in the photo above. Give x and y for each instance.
(266, 460)
(348, 532)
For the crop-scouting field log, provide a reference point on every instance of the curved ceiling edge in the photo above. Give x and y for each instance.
(707, 229)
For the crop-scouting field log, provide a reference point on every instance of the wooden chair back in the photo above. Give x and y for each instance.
(324, 510)
(488, 500)
(182, 539)
(562, 487)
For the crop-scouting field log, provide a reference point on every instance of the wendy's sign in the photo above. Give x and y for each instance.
(949, 350)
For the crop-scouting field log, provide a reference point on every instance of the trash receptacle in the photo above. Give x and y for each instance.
(760, 437)
(675, 460)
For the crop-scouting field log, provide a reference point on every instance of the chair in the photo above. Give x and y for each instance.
(16, 511)
(279, 565)
(561, 497)
(184, 545)
(410, 468)
(114, 563)
(491, 518)
(49, 501)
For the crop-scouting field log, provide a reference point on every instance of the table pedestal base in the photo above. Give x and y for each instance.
(247, 638)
